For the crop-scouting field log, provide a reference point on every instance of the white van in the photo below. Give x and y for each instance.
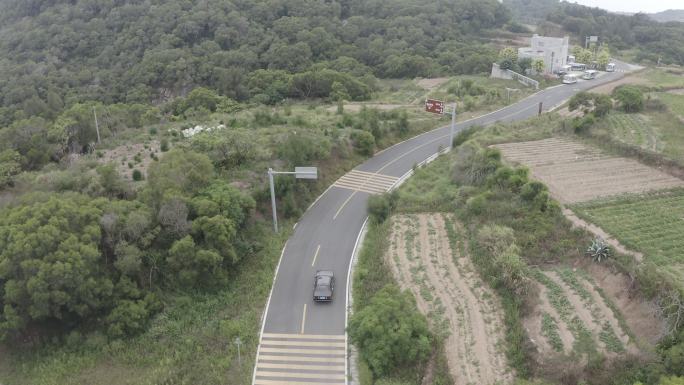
(589, 74)
(610, 67)
(570, 79)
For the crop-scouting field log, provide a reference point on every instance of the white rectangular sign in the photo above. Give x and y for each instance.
(306, 172)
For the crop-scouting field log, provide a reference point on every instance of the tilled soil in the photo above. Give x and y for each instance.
(578, 173)
(591, 311)
(451, 294)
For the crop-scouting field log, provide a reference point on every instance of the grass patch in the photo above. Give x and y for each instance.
(649, 223)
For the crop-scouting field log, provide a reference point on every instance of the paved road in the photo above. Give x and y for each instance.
(302, 342)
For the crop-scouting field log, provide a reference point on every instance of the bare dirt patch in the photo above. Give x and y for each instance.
(430, 84)
(575, 172)
(356, 107)
(639, 314)
(609, 87)
(132, 156)
(586, 316)
(451, 294)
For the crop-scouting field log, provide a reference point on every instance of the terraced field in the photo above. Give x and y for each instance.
(574, 317)
(652, 224)
(449, 291)
(575, 172)
(635, 129)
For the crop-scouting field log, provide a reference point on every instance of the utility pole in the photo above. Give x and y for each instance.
(299, 173)
(453, 126)
(97, 126)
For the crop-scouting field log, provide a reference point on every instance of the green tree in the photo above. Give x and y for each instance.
(51, 267)
(179, 171)
(524, 64)
(603, 58)
(390, 332)
(364, 142)
(631, 98)
(539, 66)
(10, 166)
(192, 265)
(596, 104)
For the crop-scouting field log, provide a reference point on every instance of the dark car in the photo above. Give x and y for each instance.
(324, 284)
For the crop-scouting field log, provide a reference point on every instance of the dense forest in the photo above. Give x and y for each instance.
(653, 40)
(80, 248)
(57, 53)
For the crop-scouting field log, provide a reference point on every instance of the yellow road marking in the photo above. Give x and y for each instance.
(344, 204)
(332, 352)
(299, 336)
(331, 344)
(316, 255)
(303, 319)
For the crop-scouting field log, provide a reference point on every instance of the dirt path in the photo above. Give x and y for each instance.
(450, 293)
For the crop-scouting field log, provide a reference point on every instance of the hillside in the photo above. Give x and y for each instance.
(668, 15)
(55, 53)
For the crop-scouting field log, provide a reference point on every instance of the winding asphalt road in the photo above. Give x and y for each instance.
(303, 342)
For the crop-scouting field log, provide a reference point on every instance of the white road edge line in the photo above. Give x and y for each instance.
(263, 315)
(355, 252)
(352, 262)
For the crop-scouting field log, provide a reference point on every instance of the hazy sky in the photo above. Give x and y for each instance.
(633, 5)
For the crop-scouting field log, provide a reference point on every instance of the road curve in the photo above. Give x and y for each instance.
(303, 342)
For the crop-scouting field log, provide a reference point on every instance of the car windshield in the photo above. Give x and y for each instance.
(323, 281)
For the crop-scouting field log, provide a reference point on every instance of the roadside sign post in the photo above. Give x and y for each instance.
(299, 173)
(238, 343)
(439, 107)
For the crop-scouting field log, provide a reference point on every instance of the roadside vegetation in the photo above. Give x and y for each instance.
(564, 324)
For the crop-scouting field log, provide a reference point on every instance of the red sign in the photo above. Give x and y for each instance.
(434, 106)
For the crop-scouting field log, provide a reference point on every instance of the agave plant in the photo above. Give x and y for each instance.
(599, 250)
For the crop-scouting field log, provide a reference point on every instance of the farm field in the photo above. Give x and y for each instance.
(576, 173)
(449, 291)
(573, 317)
(658, 132)
(652, 224)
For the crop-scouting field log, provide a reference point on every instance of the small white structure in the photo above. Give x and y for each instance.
(570, 79)
(552, 50)
(610, 67)
(589, 74)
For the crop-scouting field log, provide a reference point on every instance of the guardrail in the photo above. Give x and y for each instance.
(524, 79)
(497, 72)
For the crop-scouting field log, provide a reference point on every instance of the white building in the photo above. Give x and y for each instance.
(552, 50)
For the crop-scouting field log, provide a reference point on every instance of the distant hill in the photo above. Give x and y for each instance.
(530, 11)
(669, 15)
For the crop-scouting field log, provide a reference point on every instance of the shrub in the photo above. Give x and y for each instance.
(137, 175)
(390, 332)
(474, 164)
(364, 142)
(380, 207)
(631, 98)
(164, 145)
